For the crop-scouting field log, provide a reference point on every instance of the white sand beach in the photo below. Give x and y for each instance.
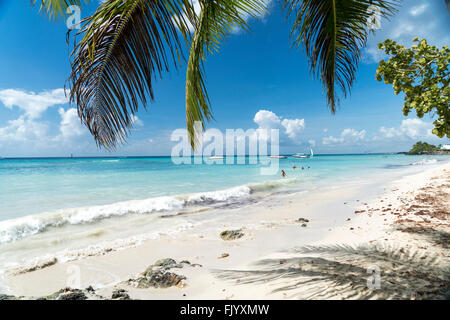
(400, 228)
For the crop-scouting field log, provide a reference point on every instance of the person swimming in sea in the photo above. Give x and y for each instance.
(303, 168)
(294, 167)
(283, 174)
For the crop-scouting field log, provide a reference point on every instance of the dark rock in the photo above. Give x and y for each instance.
(7, 297)
(231, 234)
(167, 264)
(90, 289)
(304, 225)
(72, 294)
(302, 220)
(157, 279)
(120, 294)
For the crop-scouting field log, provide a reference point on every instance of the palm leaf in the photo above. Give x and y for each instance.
(332, 33)
(217, 19)
(124, 46)
(56, 8)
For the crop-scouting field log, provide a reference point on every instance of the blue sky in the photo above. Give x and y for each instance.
(257, 80)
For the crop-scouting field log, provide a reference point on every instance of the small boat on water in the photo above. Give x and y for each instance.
(302, 156)
(278, 157)
(216, 158)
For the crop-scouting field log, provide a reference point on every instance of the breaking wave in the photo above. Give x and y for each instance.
(15, 229)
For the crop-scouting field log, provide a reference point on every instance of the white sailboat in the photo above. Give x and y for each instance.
(302, 156)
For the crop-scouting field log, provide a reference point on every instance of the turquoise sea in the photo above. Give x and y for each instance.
(63, 204)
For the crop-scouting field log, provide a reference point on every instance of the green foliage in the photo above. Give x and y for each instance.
(423, 148)
(216, 21)
(421, 73)
(332, 34)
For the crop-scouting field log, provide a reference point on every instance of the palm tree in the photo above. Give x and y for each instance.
(126, 44)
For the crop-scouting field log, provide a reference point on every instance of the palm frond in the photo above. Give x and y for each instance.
(56, 8)
(217, 19)
(125, 45)
(332, 33)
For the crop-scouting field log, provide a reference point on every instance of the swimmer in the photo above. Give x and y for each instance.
(283, 174)
(294, 167)
(303, 168)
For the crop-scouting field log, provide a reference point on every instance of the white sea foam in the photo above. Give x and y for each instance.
(15, 229)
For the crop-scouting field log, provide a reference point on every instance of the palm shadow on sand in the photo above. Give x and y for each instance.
(341, 272)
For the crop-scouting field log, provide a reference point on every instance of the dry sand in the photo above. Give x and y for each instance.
(400, 231)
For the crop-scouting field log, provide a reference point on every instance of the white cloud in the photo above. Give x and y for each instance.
(409, 129)
(312, 143)
(347, 136)
(33, 104)
(418, 10)
(23, 129)
(26, 127)
(136, 121)
(415, 18)
(70, 125)
(291, 128)
(267, 119)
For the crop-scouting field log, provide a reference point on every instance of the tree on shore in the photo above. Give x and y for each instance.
(422, 74)
(423, 148)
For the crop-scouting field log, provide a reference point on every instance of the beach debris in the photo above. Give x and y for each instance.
(304, 225)
(223, 255)
(348, 219)
(302, 220)
(231, 234)
(120, 294)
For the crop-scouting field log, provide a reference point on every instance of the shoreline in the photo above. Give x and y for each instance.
(264, 263)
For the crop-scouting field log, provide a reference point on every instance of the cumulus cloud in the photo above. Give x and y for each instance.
(28, 127)
(291, 128)
(33, 104)
(23, 129)
(347, 136)
(70, 125)
(409, 129)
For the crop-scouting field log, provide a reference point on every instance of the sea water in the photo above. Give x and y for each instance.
(51, 206)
